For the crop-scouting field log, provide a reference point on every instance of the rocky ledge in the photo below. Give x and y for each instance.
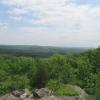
(41, 94)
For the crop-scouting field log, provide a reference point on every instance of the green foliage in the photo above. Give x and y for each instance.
(5, 87)
(14, 73)
(60, 69)
(81, 69)
(97, 87)
(53, 85)
(60, 89)
(19, 82)
(14, 83)
(84, 72)
(65, 90)
(3, 75)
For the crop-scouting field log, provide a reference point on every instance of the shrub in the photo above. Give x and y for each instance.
(53, 85)
(66, 90)
(60, 89)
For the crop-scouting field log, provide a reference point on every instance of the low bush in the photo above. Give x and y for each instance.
(60, 89)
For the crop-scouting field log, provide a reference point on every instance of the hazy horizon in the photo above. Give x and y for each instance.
(48, 46)
(60, 23)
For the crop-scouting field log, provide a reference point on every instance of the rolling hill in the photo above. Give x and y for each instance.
(29, 50)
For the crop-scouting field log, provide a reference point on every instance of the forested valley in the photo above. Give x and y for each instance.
(56, 71)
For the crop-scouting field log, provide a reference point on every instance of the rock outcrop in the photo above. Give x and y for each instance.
(9, 97)
(49, 98)
(18, 95)
(42, 94)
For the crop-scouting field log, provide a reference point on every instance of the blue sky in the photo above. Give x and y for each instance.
(90, 2)
(69, 23)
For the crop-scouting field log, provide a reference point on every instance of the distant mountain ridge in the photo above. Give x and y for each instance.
(30, 50)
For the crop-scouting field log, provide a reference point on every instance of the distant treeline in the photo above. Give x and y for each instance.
(43, 51)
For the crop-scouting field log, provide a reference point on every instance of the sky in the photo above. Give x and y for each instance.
(65, 23)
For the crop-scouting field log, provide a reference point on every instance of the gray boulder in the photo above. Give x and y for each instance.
(43, 92)
(18, 95)
(9, 97)
(22, 93)
(12, 97)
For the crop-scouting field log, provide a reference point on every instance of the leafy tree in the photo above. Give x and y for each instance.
(41, 74)
(84, 72)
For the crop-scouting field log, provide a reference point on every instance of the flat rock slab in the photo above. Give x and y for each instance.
(9, 97)
(60, 98)
(68, 98)
(49, 98)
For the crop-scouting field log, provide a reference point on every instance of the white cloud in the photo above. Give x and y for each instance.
(34, 30)
(16, 18)
(17, 11)
(70, 22)
(36, 2)
(3, 26)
